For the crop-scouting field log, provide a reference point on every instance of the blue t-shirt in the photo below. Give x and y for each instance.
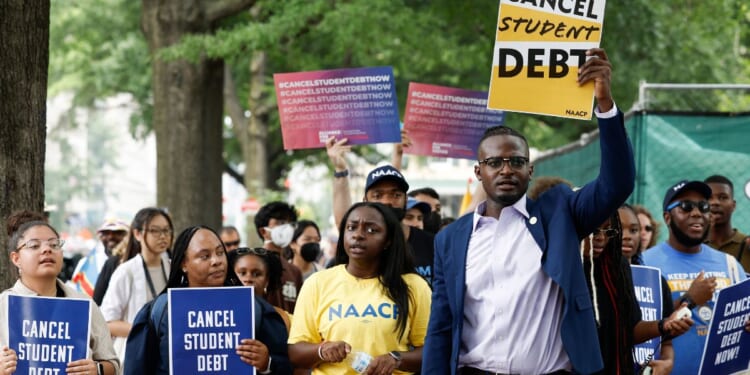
(680, 269)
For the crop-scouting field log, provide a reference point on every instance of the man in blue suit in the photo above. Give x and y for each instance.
(509, 292)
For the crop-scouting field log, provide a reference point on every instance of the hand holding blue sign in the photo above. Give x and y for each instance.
(254, 353)
(8, 361)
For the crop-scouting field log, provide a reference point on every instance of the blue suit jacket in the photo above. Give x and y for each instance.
(563, 217)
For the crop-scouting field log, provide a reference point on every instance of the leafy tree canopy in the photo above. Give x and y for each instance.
(98, 49)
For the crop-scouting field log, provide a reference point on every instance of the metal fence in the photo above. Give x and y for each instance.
(678, 132)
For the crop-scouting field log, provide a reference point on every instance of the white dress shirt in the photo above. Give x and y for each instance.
(512, 309)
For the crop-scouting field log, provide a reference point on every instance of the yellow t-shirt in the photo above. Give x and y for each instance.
(336, 306)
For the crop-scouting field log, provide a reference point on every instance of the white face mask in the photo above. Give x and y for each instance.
(281, 235)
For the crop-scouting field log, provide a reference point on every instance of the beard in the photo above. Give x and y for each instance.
(684, 239)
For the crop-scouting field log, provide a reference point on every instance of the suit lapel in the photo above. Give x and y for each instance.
(460, 244)
(534, 224)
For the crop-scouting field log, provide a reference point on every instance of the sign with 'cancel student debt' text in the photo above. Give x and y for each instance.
(539, 46)
(205, 327)
(358, 104)
(48, 333)
(727, 349)
(446, 121)
(648, 293)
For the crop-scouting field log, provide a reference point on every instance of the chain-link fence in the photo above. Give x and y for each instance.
(678, 132)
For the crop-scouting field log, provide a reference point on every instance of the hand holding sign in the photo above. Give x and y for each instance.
(254, 353)
(336, 151)
(598, 69)
(661, 366)
(81, 366)
(8, 361)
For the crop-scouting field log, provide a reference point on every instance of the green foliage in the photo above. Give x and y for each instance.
(97, 49)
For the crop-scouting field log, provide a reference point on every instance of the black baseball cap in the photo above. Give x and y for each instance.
(685, 185)
(385, 173)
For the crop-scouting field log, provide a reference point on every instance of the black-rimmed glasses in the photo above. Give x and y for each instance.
(497, 162)
(688, 206)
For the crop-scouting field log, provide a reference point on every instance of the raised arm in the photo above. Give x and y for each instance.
(616, 180)
(342, 199)
(398, 150)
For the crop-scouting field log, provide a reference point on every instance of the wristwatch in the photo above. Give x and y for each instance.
(99, 368)
(686, 299)
(397, 356)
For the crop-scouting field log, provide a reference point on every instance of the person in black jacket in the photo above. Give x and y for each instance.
(200, 260)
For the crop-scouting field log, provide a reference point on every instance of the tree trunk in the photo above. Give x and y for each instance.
(254, 150)
(188, 111)
(24, 57)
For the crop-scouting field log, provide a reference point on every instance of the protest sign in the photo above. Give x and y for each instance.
(647, 284)
(727, 349)
(539, 46)
(359, 104)
(48, 333)
(446, 121)
(206, 325)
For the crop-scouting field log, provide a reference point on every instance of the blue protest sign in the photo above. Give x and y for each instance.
(47, 333)
(647, 283)
(727, 349)
(205, 326)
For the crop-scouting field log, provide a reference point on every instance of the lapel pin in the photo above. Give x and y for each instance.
(532, 221)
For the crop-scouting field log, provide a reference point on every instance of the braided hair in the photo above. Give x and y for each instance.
(619, 294)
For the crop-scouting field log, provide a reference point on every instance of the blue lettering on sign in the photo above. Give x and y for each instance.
(384, 310)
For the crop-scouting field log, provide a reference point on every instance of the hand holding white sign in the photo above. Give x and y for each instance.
(8, 361)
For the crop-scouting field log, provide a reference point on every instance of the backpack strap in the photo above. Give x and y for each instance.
(734, 273)
(157, 314)
(284, 316)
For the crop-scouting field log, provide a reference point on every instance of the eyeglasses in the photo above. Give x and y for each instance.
(688, 206)
(232, 243)
(159, 232)
(252, 250)
(608, 232)
(36, 245)
(496, 162)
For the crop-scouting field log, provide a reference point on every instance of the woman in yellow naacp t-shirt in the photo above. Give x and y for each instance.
(372, 302)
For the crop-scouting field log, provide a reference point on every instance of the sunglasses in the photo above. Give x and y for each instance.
(496, 162)
(609, 232)
(252, 250)
(688, 206)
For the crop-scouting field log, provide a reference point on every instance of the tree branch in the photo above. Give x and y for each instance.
(232, 102)
(220, 9)
(233, 173)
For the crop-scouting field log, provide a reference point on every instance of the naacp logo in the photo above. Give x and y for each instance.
(390, 172)
(384, 310)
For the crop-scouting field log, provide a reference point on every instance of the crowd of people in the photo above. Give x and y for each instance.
(535, 280)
